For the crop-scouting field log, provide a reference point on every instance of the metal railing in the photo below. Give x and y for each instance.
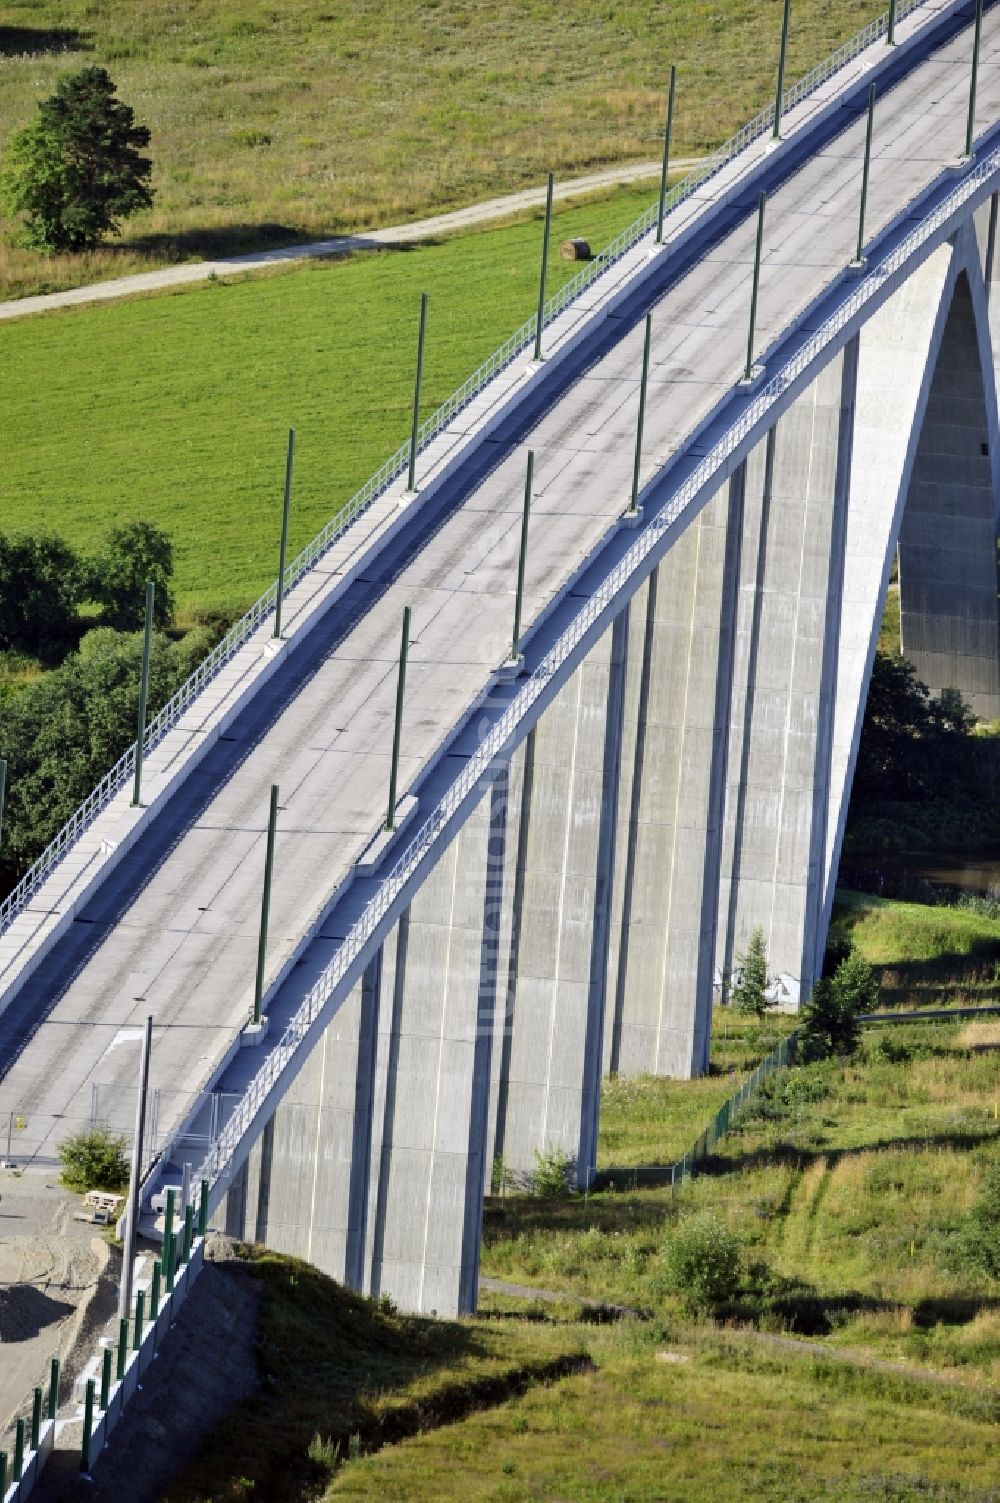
(239, 634)
(491, 749)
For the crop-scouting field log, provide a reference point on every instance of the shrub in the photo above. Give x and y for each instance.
(554, 1177)
(979, 1241)
(749, 992)
(702, 1263)
(93, 1160)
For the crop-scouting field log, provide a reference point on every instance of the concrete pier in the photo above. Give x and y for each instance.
(661, 959)
(781, 718)
(304, 1188)
(947, 547)
(560, 851)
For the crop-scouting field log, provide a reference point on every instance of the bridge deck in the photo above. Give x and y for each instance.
(174, 930)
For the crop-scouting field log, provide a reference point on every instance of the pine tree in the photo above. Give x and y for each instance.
(77, 171)
(749, 991)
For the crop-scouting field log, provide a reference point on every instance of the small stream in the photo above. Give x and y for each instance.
(894, 872)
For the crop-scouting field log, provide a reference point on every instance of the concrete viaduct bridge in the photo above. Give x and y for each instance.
(586, 835)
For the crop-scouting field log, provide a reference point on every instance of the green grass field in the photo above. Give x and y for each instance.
(847, 1186)
(272, 123)
(710, 1421)
(176, 408)
(926, 957)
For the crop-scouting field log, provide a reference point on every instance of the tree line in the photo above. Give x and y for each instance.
(45, 584)
(60, 732)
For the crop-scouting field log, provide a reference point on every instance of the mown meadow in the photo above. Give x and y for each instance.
(176, 408)
(271, 124)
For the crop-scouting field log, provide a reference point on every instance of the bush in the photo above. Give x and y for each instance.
(749, 993)
(979, 1241)
(702, 1263)
(554, 1177)
(94, 1160)
(63, 731)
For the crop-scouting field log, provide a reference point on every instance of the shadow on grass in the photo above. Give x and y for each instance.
(217, 242)
(516, 1216)
(951, 1309)
(800, 1158)
(33, 41)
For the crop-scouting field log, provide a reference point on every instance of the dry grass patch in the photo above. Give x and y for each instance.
(271, 124)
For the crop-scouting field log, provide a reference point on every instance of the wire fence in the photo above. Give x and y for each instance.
(238, 635)
(600, 604)
(779, 1059)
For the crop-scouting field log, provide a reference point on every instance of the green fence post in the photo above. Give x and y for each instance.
(890, 35)
(970, 128)
(88, 1421)
(539, 321)
(147, 645)
(522, 559)
(168, 1234)
(404, 648)
(154, 1290)
(122, 1349)
(779, 94)
(634, 503)
(411, 479)
(140, 1301)
(3, 1474)
(761, 202)
(265, 904)
(203, 1210)
(668, 131)
(36, 1417)
(53, 1392)
(19, 1450)
(859, 259)
(106, 1378)
(283, 546)
(188, 1231)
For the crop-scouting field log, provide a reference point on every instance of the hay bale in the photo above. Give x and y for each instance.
(575, 250)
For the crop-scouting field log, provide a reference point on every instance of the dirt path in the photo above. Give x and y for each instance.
(54, 1274)
(399, 234)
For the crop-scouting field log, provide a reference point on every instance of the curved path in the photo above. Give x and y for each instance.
(398, 234)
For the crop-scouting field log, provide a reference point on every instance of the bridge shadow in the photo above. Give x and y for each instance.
(33, 41)
(26, 1311)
